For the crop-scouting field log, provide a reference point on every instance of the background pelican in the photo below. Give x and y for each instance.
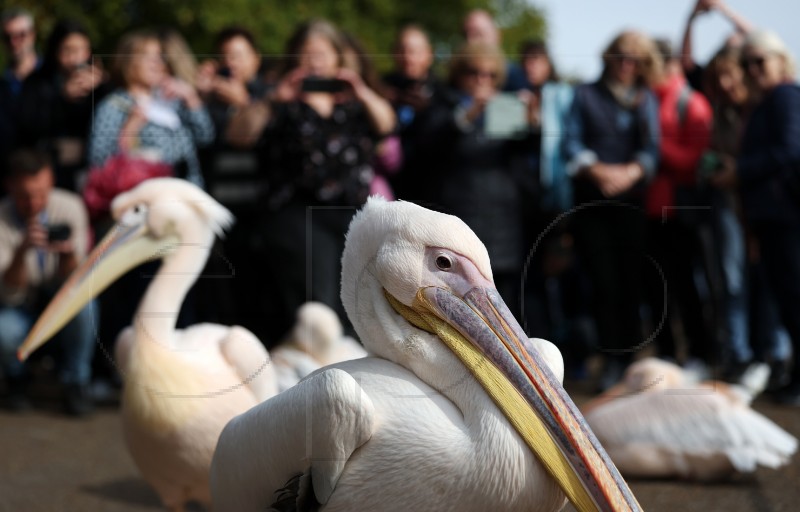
(416, 426)
(658, 422)
(180, 387)
(316, 340)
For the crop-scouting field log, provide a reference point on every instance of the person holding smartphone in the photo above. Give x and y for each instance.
(44, 234)
(319, 129)
(58, 99)
(483, 178)
(151, 112)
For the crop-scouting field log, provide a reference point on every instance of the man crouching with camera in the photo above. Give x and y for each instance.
(44, 234)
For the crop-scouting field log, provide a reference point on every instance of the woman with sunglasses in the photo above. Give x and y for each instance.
(482, 176)
(611, 144)
(768, 170)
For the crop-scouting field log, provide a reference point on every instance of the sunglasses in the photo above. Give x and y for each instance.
(629, 59)
(13, 36)
(479, 73)
(758, 61)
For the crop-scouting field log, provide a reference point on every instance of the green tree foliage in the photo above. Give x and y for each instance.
(374, 22)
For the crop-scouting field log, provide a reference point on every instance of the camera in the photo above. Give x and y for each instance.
(314, 84)
(58, 232)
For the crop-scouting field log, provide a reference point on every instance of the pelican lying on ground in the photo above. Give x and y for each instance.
(446, 415)
(180, 387)
(316, 340)
(658, 423)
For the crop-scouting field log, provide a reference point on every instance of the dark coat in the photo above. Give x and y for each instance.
(769, 158)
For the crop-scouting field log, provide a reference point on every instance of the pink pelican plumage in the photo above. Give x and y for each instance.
(660, 422)
(180, 386)
(454, 409)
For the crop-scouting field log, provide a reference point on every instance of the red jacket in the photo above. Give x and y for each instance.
(683, 142)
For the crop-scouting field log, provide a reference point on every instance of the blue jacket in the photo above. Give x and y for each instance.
(556, 185)
(769, 158)
(600, 129)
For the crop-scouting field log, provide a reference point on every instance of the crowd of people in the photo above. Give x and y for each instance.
(657, 206)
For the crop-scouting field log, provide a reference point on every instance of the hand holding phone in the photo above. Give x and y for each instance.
(329, 85)
(58, 232)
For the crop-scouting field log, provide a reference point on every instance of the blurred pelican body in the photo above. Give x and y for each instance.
(317, 340)
(660, 422)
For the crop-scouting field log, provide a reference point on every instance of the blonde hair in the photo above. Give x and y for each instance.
(470, 53)
(180, 60)
(769, 42)
(651, 64)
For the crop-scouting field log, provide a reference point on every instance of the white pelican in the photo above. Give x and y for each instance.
(180, 387)
(316, 340)
(659, 422)
(416, 426)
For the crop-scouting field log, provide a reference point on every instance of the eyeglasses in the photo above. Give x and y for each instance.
(14, 36)
(480, 73)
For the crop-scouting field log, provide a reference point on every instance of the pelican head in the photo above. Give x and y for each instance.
(418, 287)
(158, 219)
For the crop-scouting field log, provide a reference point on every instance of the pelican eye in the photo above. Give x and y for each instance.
(444, 262)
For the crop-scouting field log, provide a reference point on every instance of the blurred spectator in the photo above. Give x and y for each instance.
(725, 87)
(19, 40)
(236, 80)
(232, 82)
(58, 100)
(768, 170)
(673, 199)
(485, 179)
(611, 142)
(693, 70)
(479, 27)
(322, 124)
(151, 112)
(44, 234)
(412, 88)
(548, 102)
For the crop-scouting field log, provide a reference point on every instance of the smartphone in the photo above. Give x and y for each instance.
(58, 232)
(505, 117)
(312, 84)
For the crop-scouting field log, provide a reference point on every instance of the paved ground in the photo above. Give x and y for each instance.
(50, 463)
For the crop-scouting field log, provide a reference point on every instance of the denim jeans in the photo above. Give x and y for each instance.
(75, 342)
(729, 239)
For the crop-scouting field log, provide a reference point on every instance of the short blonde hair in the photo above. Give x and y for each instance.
(651, 64)
(769, 42)
(471, 53)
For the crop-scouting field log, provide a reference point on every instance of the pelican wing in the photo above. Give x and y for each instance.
(315, 425)
(248, 356)
(658, 433)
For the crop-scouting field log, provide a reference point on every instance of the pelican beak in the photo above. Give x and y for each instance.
(125, 247)
(480, 330)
